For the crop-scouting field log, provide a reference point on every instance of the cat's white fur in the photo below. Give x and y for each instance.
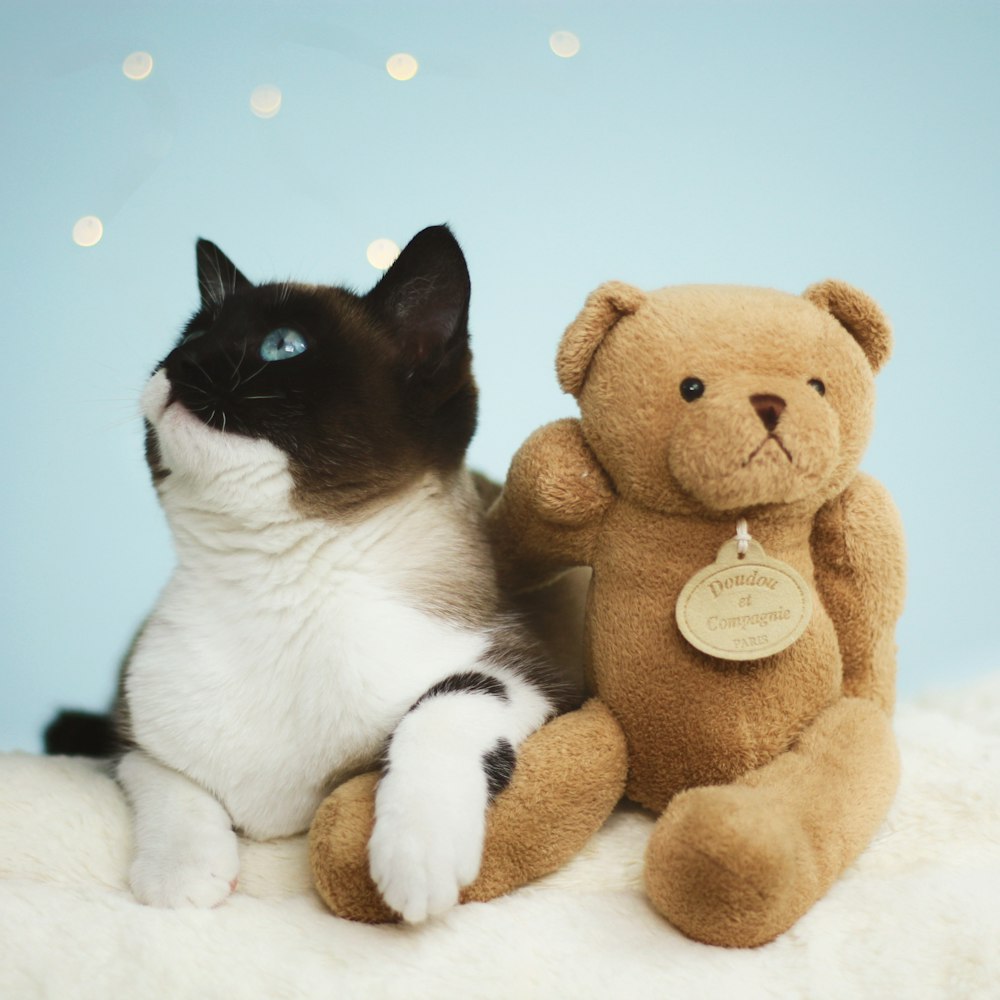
(280, 658)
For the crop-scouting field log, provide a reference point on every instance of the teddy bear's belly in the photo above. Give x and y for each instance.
(691, 719)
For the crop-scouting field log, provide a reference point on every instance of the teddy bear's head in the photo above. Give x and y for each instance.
(724, 398)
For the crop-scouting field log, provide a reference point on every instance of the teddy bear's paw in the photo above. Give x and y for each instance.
(194, 866)
(728, 866)
(427, 843)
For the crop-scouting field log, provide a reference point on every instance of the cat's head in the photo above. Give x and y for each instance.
(349, 397)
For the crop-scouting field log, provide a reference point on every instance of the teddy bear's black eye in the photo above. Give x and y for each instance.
(692, 389)
(817, 384)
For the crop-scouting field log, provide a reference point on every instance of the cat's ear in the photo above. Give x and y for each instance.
(218, 276)
(424, 297)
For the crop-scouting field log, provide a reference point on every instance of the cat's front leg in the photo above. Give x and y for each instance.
(451, 753)
(185, 848)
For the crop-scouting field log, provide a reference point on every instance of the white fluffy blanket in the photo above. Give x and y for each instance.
(917, 916)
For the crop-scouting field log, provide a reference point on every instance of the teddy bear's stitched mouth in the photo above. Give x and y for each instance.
(770, 437)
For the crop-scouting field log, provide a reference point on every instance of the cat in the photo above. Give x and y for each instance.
(333, 608)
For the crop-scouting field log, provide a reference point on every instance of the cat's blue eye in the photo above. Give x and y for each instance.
(281, 344)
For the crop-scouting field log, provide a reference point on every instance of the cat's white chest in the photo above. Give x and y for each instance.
(268, 683)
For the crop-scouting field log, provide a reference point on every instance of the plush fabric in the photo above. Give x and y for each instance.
(916, 916)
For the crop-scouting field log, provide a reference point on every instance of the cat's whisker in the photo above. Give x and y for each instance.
(202, 370)
(250, 378)
(104, 400)
(272, 395)
(194, 388)
(113, 425)
(115, 370)
(235, 367)
(238, 369)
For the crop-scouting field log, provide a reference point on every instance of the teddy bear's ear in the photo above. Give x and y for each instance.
(604, 307)
(858, 314)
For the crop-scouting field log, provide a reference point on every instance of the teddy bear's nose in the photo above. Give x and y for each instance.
(769, 409)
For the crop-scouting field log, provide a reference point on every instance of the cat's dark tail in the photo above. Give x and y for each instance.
(81, 734)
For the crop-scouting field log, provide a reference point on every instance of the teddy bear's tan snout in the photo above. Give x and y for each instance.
(769, 408)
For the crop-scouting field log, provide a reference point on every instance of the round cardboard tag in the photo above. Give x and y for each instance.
(744, 608)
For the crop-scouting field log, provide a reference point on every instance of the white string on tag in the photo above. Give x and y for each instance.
(745, 605)
(742, 537)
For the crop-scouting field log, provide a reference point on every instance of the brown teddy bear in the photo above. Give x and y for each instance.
(746, 584)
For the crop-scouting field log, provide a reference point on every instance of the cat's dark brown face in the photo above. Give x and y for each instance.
(361, 393)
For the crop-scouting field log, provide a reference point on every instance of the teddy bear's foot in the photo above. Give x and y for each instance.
(725, 869)
(738, 864)
(569, 776)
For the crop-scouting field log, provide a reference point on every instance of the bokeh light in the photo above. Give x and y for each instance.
(402, 66)
(137, 65)
(381, 253)
(87, 232)
(564, 44)
(265, 100)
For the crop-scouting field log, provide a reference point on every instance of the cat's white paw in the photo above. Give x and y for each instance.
(197, 867)
(427, 844)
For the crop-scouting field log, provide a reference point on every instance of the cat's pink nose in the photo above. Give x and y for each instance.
(769, 409)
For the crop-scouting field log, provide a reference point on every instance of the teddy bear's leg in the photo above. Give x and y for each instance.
(569, 775)
(738, 864)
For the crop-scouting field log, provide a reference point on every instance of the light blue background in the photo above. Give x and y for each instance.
(757, 143)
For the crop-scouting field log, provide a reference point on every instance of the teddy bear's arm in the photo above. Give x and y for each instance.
(547, 517)
(858, 552)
